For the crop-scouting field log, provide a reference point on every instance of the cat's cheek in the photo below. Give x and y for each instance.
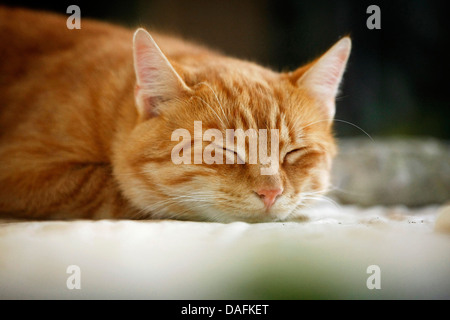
(318, 179)
(311, 176)
(283, 208)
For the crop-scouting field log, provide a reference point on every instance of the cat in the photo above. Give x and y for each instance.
(87, 116)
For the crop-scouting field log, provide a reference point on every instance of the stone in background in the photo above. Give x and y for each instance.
(412, 172)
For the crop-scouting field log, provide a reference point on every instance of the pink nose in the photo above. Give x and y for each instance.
(268, 196)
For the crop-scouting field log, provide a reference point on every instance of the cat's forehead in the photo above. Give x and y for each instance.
(238, 103)
(248, 96)
(251, 87)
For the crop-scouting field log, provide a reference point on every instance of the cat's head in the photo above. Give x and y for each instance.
(169, 166)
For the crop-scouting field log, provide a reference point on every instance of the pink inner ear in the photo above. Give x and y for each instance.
(325, 75)
(146, 71)
(147, 104)
(330, 70)
(149, 107)
(338, 67)
(149, 62)
(140, 53)
(322, 79)
(157, 80)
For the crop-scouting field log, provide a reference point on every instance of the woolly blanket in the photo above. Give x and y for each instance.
(343, 252)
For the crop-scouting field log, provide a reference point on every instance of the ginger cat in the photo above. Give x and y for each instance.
(87, 116)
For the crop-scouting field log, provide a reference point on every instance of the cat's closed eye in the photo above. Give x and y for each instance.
(231, 156)
(295, 154)
(229, 153)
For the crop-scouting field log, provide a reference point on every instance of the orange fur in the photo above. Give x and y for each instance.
(74, 143)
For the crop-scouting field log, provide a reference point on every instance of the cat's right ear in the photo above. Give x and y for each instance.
(156, 79)
(323, 76)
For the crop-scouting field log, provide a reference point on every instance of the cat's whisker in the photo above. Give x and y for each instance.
(323, 198)
(338, 189)
(204, 201)
(141, 214)
(212, 109)
(342, 97)
(296, 124)
(194, 195)
(343, 121)
(164, 205)
(169, 192)
(217, 98)
(315, 192)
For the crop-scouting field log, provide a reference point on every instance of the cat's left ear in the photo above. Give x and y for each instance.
(156, 79)
(323, 77)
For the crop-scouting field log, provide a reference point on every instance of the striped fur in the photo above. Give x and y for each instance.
(73, 143)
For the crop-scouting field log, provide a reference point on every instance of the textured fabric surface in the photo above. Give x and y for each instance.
(327, 256)
(401, 226)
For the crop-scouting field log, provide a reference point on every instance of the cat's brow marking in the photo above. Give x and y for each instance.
(212, 109)
(217, 98)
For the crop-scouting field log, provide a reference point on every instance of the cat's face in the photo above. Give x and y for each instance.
(294, 109)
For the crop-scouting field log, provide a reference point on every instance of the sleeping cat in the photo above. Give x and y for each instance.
(87, 116)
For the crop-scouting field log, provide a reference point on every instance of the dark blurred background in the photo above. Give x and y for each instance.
(397, 81)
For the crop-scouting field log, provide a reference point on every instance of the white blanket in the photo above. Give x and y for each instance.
(339, 253)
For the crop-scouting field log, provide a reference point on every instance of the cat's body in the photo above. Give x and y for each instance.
(85, 130)
(65, 97)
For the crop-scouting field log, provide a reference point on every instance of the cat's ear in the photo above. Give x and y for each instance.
(323, 77)
(156, 79)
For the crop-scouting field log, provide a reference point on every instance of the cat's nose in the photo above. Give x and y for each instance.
(269, 196)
